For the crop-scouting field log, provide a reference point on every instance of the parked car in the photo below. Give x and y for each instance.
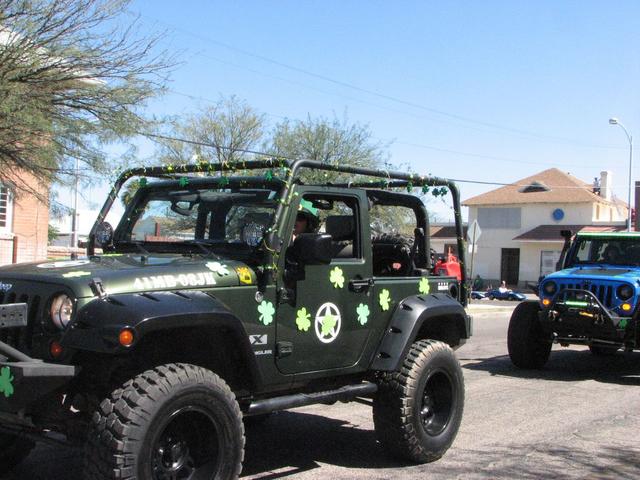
(505, 295)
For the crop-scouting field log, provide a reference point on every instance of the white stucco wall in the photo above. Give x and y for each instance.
(488, 256)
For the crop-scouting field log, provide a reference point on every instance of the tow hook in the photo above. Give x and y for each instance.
(554, 315)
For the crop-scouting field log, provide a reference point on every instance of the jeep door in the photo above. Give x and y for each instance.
(324, 325)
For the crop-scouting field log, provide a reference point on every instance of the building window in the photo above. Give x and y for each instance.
(548, 261)
(500, 217)
(5, 209)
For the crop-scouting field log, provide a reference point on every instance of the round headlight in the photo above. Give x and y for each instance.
(61, 311)
(625, 292)
(550, 288)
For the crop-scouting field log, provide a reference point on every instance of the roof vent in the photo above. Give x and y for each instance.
(535, 187)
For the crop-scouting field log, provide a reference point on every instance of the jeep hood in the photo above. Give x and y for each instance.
(133, 273)
(595, 272)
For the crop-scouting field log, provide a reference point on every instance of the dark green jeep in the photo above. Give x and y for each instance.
(221, 296)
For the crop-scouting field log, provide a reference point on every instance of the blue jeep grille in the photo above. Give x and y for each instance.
(603, 292)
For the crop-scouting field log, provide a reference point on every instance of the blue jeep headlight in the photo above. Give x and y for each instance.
(550, 288)
(625, 292)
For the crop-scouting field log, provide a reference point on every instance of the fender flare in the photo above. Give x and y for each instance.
(410, 316)
(98, 324)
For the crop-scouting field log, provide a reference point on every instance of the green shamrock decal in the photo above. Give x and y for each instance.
(302, 319)
(269, 175)
(623, 323)
(363, 313)
(6, 378)
(184, 181)
(385, 299)
(328, 324)
(266, 311)
(423, 286)
(336, 277)
(143, 182)
(218, 268)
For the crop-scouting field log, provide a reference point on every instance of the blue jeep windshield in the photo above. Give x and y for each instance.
(622, 251)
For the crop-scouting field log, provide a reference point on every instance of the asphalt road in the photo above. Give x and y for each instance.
(577, 418)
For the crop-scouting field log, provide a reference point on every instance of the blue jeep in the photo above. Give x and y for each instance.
(591, 300)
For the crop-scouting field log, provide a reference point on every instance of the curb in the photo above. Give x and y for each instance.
(489, 308)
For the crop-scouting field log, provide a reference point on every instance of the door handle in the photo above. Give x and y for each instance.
(360, 284)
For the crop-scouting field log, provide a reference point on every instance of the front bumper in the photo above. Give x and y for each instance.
(575, 313)
(24, 381)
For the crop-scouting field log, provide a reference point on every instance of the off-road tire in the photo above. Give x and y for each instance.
(13, 450)
(602, 351)
(402, 423)
(129, 429)
(528, 346)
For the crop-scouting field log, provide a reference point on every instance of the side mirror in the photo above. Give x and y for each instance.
(313, 248)
(104, 234)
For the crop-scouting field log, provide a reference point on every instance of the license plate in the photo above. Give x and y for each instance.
(13, 315)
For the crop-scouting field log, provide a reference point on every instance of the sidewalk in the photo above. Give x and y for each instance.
(490, 306)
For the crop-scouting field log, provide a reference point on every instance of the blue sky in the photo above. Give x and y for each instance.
(485, 91)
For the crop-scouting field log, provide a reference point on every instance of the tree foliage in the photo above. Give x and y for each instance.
(73, 74)
(221, 132)
(330, 141)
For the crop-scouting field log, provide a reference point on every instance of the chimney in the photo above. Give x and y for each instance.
(605, 185)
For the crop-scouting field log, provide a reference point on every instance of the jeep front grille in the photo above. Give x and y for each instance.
(21, 337)
(603, 292)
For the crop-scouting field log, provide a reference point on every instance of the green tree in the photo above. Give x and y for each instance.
(73, 76)
(220, 132)
(331, 141)
(52, 233)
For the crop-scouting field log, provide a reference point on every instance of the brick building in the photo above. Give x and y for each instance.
(24, 222)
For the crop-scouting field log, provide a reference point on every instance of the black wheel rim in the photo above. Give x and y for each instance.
(437, 403)
(187, 447)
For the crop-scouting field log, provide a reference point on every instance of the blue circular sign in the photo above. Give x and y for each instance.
(558, 214)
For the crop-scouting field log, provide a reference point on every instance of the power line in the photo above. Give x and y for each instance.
(387, 97)
(419, 145)
(273, 155)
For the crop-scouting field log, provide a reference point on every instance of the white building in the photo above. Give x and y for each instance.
(64, 226)
(521, 223)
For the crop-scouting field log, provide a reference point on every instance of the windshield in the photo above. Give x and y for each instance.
(607, 251)
(228, 218)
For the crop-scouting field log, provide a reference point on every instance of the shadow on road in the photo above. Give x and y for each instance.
(623, 368)
(293, 442)
(290, 443)
(523, 461)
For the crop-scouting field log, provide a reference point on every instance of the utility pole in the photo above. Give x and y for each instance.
(74, 219)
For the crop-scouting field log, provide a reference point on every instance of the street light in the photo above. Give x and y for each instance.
(614, 121)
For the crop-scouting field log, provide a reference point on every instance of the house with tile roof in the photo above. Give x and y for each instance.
(521, 223)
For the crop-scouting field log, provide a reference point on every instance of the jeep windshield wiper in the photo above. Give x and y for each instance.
(201, 243)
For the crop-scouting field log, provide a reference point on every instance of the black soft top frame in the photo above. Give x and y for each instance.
(388, 179)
